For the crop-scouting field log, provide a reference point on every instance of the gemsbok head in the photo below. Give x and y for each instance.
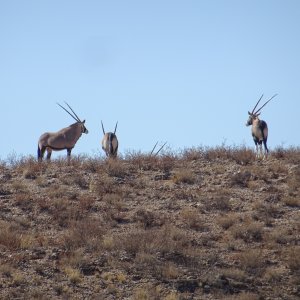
(65, 138)
(259, 129)
(110, 142)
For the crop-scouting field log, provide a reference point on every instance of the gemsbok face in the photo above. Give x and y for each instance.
(65, 138)
(259, 129)
(110, 142)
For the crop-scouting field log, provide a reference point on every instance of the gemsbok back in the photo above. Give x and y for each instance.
(110, 142)
(259, 129)
(65, 138)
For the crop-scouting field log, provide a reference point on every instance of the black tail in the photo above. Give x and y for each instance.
(39, 153)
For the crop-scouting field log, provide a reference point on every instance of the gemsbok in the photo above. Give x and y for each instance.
(65, 138)
(259, 129)
(110, 142)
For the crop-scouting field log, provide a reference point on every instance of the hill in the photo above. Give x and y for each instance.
(202, 224)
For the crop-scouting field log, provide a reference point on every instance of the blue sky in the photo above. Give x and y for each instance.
(184, 72)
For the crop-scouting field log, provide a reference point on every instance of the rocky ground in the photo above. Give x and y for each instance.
(203, 224)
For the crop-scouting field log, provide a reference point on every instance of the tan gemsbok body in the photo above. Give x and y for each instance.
(110, 142)
(65, 138)
(259, 129)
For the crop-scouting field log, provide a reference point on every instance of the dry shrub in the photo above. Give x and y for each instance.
(7, 270)
(219, 152)
(20, 187)
(193, 219)
(56, 191)
(147, 292)
(114, 208)
(32, 169)
(24, 200)
(235, 274)
(63, 213)
(115, 168)
(265, 212)
(184, 176)
(219, 201)
(292, 201)
(252, 261)
(147, 162)
(281, 236)
(274, 274)
(248, 231)
(86, 233)
(86, 203)
(243, 296)
(103, 185)
(293, 182)
(293, 259)
(73, 275)
(166, 240)
(148, 219)
(243, 156)
(169, 271)
(240, 179)
(9, 236)
(228, 220)
(193, 154)
(291, 155)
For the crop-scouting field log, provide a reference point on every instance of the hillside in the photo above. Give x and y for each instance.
(202, 224)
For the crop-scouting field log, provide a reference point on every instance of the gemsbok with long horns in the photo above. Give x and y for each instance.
(259, 129)
(110, 142)
(65, 138)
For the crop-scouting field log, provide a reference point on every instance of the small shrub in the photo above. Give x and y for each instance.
(293, 259)
(240, 179)
(193, 219)
(148, 219)
(73, 275)
(184, 176)
(227, 221)
(115, 168)
(248, 231)
(9, 236)
(251, 261)
(292, 201)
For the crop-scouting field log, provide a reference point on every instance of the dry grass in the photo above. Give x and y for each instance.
(205, 223)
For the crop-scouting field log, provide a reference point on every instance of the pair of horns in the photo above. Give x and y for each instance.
(75, 117)
(156, 153)
(263, 105)
(104, 130)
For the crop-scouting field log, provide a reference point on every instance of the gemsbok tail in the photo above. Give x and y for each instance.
(39, 152)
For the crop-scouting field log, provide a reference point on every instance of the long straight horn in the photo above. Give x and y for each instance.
(102, 128)
(116, 127)
(78, 119)
(153, 148)
(266, 103)
(257, 103)
(160, 149)
(67, 111)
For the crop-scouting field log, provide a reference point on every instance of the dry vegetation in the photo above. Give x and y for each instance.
(201, 224)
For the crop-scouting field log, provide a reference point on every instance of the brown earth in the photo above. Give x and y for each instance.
(202, 224)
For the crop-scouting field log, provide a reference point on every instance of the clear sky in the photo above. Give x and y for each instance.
(184, 72)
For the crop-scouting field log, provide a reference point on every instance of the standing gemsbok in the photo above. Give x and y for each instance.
(110, 142)
(65, 138)
(259, 128)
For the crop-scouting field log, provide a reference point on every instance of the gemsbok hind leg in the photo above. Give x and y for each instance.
(266, 149)
(41, 152)
(49, 152)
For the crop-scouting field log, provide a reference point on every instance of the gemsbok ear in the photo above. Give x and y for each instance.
(83, 121)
